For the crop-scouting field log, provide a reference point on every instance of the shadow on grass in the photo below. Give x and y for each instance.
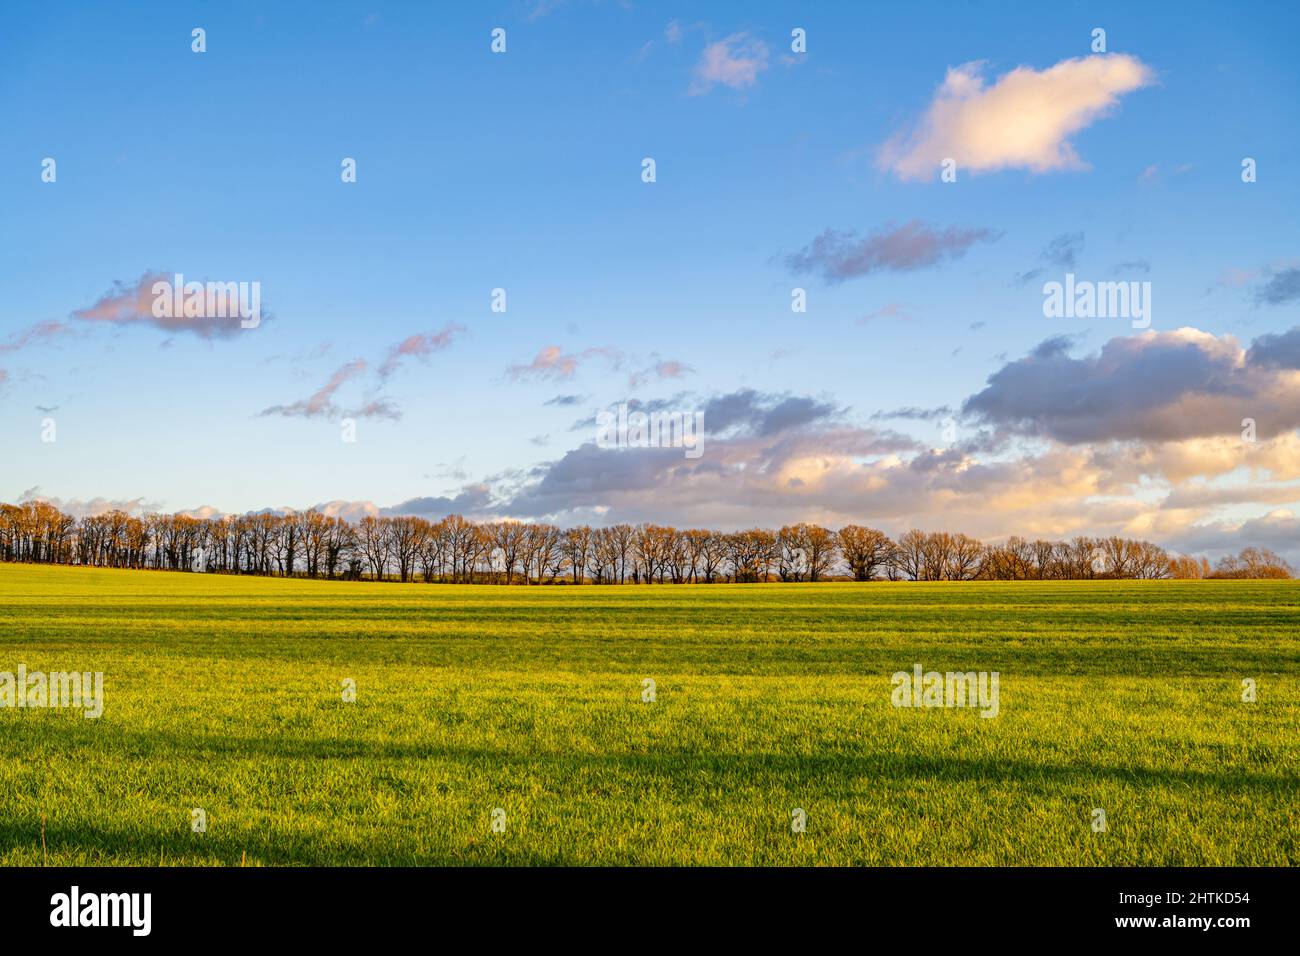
(680, 768)
(694, 779)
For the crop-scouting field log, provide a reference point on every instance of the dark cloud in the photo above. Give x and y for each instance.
(678, 402)
(1276, 350)
(1281, 287)
(1278, 531)
(750, 437)
(757, 413)
(472, 499)
(563, 400)
(1163, 386)
(612, 484)
(587, 476)
(838, 256)
(1054, 347)
(913, 413)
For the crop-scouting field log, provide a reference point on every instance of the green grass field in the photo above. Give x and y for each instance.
(225, 693)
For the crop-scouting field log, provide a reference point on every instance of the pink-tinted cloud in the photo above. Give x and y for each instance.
(420, 345)
(320, 404)
(891, 310)
(550, 362)
(134, 304)
(734, 62)
(553, 363)
(33, 334)
(661, 369)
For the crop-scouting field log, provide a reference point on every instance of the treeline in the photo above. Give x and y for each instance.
(454, 550)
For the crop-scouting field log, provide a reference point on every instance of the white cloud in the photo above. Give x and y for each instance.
(1023, 120)
(90, 507)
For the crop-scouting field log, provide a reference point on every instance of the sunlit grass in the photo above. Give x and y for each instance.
(225, 693)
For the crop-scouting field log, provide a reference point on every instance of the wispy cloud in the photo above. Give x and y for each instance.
(671, 369)
(734, 62)
(550, 362)
(1152, 174)
(420, 345)
(553, 363)
(1061, 253)
(1132, 265)
(563, 400)
(891, 310)
(913, 413)
(543, 8)
(34, 334)
(320, 404)
(838, 256)
(661, 369)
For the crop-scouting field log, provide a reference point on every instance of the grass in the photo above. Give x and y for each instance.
(225, 693)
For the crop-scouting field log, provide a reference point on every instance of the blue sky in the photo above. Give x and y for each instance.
(522, 171)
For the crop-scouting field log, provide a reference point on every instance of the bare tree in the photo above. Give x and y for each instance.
(375, 544)
(508, 539)
(909, 556)
(577, 546)
(406, 536)
(866, 551)
(465, 552)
